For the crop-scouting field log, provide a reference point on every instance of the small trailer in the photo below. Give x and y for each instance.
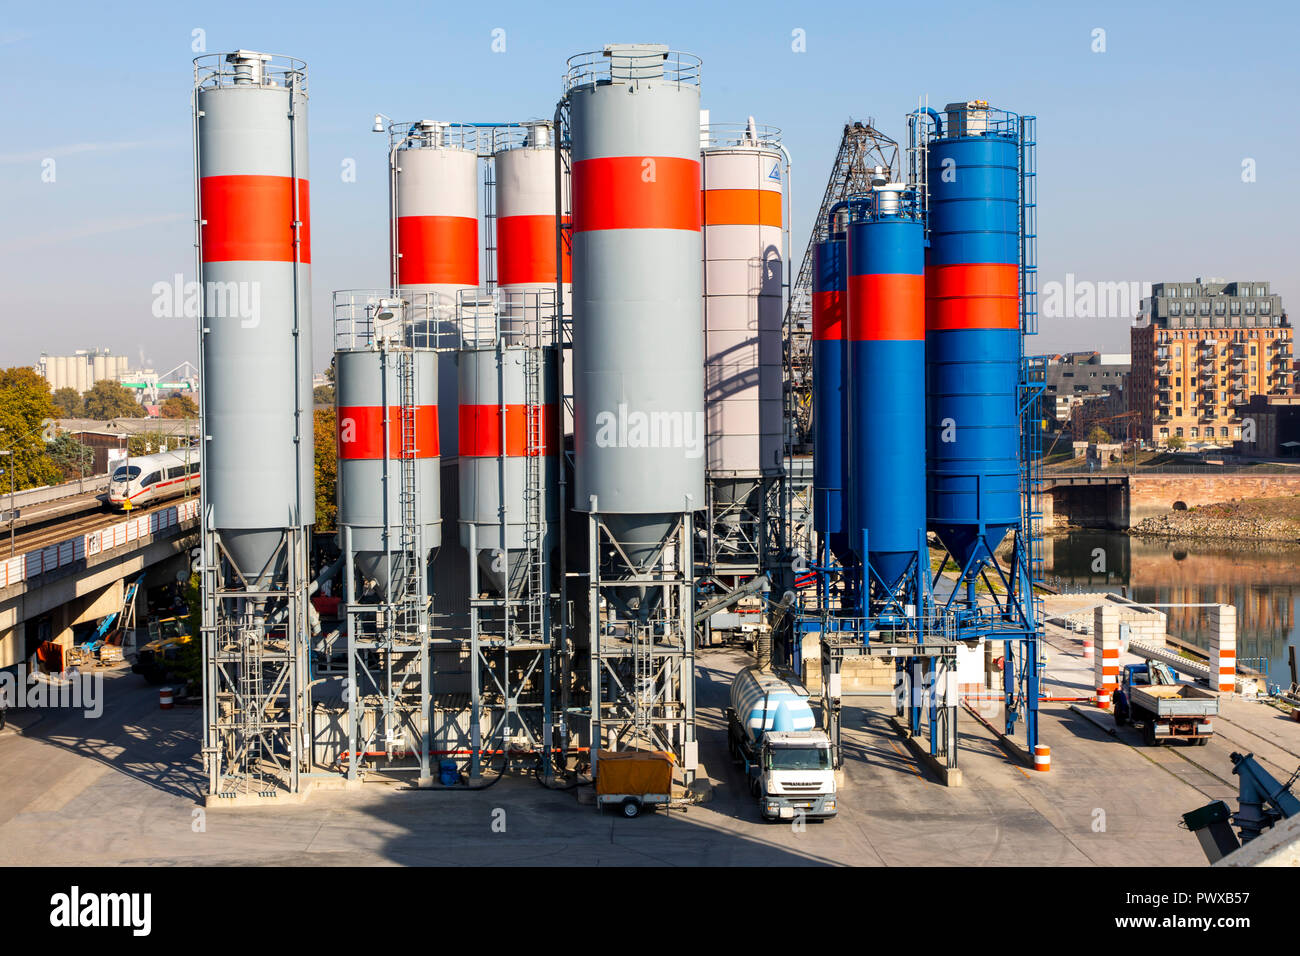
(1168, 710)
(634, 780)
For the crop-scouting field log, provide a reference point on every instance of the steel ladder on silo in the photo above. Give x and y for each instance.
(406, 584)
(534, 497)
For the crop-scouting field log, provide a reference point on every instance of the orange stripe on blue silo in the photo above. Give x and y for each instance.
(886, 308)
(250, 219)
(984, 295)
(636, 192)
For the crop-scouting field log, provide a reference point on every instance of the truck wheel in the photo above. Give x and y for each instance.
(1149, 733)
(1202, 741)
(631, 807)
(753, 787)
(1121, 713)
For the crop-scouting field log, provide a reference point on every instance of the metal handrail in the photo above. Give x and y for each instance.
(723, 135)
(598, 66)
(215, 70)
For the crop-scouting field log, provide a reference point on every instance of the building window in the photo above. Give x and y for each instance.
(1174, 308)
(1205, 308)
(1218, 308)
(1179, 430)
(1252, 349)
(1259, 290)
(1223, 432)
(1164, 433)
(1194, 433)
(1264, 307)
(1250, 307)
(1236, 307)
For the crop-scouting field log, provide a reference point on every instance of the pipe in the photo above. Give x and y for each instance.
(938, 120)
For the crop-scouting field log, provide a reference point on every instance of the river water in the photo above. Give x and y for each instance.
(1261, 580)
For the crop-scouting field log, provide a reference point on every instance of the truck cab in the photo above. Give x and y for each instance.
(795, 775)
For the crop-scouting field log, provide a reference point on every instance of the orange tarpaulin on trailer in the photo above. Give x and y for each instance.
(634, 771)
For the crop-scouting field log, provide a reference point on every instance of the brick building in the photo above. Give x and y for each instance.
(1200, 352)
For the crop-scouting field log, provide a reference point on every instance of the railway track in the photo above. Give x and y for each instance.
(45, 536)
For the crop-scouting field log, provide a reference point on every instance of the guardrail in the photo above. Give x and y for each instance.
(1118, 470)
(25, 567)
(36, 496)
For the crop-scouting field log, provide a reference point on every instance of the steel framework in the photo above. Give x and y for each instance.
(643, 663)
(513, 634)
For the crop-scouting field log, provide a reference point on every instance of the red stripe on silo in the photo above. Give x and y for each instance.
(636, 192)
(437, 250)
(250, 218)
(886, 308)
(742, 207)
(360, 432)
(526, 251)
(480, 430)
(972, 296)
(828, 315)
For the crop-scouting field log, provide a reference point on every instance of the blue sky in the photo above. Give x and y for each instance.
(1140, 156)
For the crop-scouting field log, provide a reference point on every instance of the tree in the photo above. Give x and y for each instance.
(72, 458)
(107, 399)
(1176, 443)
(179, 406)
(326, 470)
(150, 443)
(68, 401)
(1099, 436)
(27, 416)
(323, 395)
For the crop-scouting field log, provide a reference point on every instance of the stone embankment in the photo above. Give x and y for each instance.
(1257, 520)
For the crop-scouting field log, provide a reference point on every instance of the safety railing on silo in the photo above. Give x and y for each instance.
(256, 69)
(631, 64)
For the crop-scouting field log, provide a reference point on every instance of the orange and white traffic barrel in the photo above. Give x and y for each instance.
(165, 698)
(1042, 757)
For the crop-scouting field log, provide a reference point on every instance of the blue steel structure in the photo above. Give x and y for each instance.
(830, 465)
(943, 425)
(983, 421)
(885, 401)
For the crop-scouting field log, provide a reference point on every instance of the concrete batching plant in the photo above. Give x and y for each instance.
(254, 229)
(633, 128)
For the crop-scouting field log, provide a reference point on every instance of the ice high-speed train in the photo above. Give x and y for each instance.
(150, 478)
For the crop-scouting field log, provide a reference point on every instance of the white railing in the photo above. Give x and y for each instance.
(25, 567)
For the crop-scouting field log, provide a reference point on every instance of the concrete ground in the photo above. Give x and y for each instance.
(126, 789)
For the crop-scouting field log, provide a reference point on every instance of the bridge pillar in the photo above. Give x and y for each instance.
(1223, 648)
(86, 608)
(1105, 632)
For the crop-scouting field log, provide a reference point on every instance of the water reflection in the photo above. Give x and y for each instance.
(1261, 580)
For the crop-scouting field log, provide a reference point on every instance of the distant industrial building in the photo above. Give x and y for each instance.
(82, 369)
(1074, 377)
(85, 367)
(1201, 350)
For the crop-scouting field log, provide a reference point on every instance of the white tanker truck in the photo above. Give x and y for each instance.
(772, 731)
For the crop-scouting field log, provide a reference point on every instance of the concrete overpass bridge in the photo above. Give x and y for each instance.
(1117, 500)
(74, 570)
